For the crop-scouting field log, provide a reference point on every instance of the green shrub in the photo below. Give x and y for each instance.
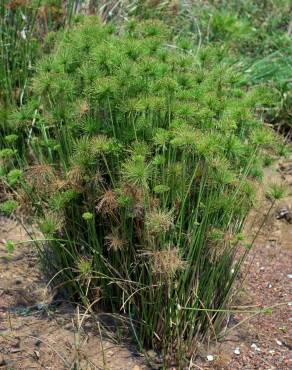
(145, 164)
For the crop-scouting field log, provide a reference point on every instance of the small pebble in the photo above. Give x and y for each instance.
(270, 286)
(237, 351)
(278, 342)
(289, 276)
(210, 357)
(255, 347)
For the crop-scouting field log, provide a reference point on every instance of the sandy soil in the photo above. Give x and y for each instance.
(38, 333)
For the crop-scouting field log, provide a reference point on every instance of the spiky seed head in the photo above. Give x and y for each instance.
(84, 267)
(184, 136)
(60, 199)
(158, 160)
(76, 175)
(40, 177)
(158, 221)
(102, 144)
(83, 107)
(218, 241)
(161, 137)
(82, 155)
(276, 191)
(114, 241)
(51, 224)
(108, 203)
(137, 172)
(167, 262)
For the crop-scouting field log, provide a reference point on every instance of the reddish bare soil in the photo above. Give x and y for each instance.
(263, 341)
(36, 334)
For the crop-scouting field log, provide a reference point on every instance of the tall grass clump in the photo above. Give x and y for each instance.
(275, 72)
(18, 49)
(142, 162)
(23, 27)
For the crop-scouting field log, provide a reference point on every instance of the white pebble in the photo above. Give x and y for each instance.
(255, 347)
(237, 351)
(278, 342)
(289, 276)
(210, 357)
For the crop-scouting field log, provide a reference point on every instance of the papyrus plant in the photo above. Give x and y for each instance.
(141, 168)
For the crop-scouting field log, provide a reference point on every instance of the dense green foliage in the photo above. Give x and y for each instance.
(141, 165)
(257, 35)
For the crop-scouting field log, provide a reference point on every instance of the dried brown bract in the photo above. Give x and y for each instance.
(134, 192)
(167, 262)
(114, 241)
(75, 177)
(108, 203)
(40, 176)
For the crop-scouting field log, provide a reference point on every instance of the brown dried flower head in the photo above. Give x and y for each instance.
(134, 192)
(108, 203)
(75, 175)
(167, 262)
(25, 202)
(41, 177)
(154, 202)
(218, 241)
(114, 241)
(83, 107)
